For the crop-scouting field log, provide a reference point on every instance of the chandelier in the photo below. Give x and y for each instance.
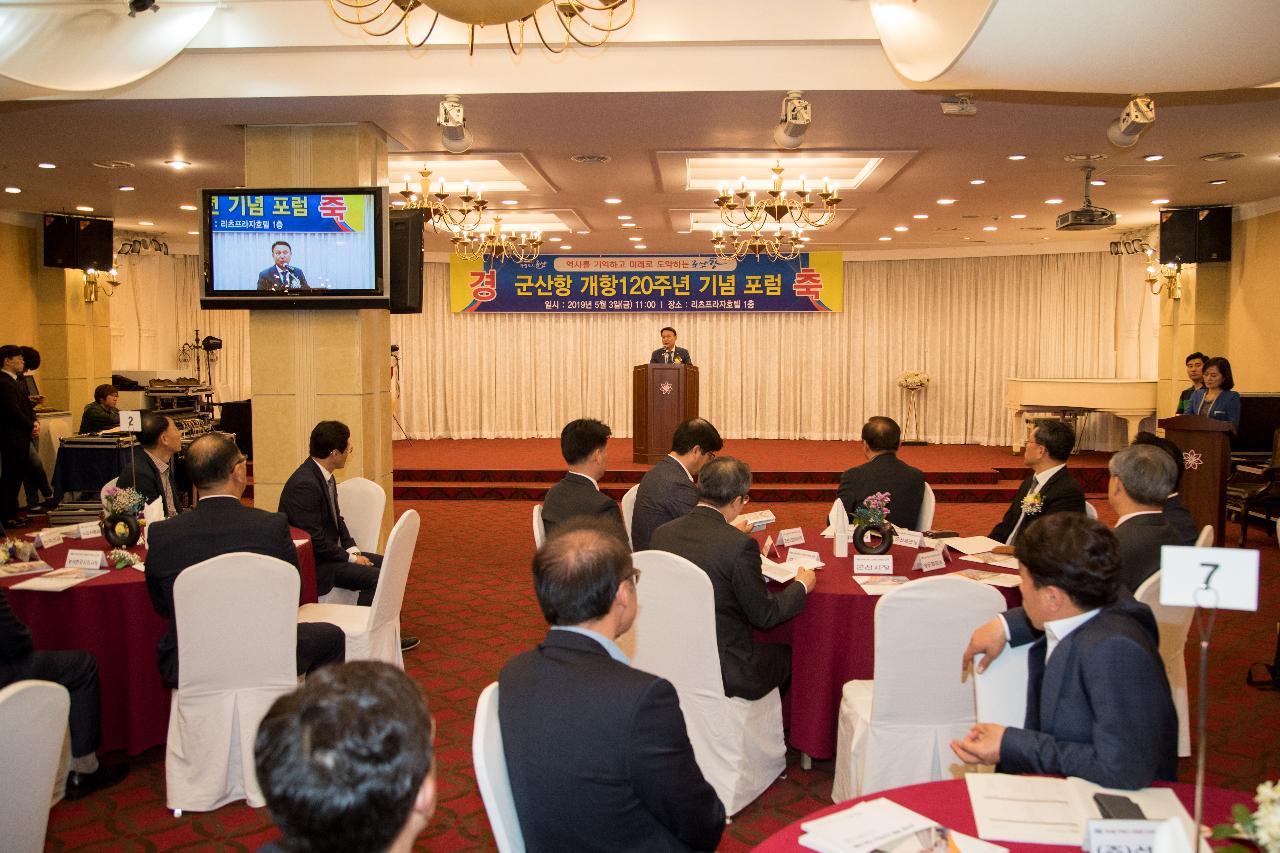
(492, 243)
(741, 211)
(589, 23)
(779, 246)
(465, 217)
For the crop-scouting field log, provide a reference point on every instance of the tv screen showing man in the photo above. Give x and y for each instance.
(282, 275)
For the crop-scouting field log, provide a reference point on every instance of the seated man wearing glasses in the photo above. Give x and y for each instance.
(707, 538)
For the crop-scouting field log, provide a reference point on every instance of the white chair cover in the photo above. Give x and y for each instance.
(102, 494)
(373, 632)
(928, 506)
(33, 722)
(491, 774)
(1175, 623)
(1089, 510)
(1002, 689)
(629, 509)
(362, 502)
(897, 730)
(1205, 539)
(539, 531)
(737, 743)
(236, 647)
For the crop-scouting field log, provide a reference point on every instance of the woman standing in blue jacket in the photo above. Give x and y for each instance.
(1216, 399)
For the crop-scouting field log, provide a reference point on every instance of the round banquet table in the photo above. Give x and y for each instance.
(112, 617)
(947, 803)
(833, 640)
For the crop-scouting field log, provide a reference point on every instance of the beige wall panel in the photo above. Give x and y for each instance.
(18, 265)
(1253, 316)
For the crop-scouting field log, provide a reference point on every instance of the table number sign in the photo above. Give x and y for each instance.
(908, 538)
(929, 561)
(791, 536)
(873, 564)
(809, 559)
(49, 538)
(83, 558)
(88, 530)
(131, 421)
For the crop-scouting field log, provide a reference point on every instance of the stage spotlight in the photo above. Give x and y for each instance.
(1138, 115)
(453, 126)
(210, 343)
(796, 117)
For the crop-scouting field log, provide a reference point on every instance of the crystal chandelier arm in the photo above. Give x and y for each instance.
(359, 6)
(584, 5)
(431, 29)
(543, 36)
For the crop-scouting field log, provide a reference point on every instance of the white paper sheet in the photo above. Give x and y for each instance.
(992, 578)
(882, 824)
(780, 572)
(24, 568)
(57, 581)
(880, 584)
(971, 544)
(1004, 561)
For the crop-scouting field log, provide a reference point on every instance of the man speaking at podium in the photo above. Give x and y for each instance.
(669, 353)
(281, 276)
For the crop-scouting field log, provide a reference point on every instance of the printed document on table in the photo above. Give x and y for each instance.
(993, 578)
(879, 584)
(780, 572)
(883, 825)
(57, 581)
(29, 567)
(971, 544)
(1004, 561)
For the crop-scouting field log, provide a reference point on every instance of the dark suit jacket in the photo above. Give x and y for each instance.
(665, 493)
(17, 418)
(885, 473)
(1101, 709)
(575, 496)
(272, 278)
(15, 641)
(598, 755)
(659, 356)
(731, 559)
(144, 476)
(305, 502)
(97, 417)
(1179, 518)
(1140, 540)
(1061, 494)
(215, 526)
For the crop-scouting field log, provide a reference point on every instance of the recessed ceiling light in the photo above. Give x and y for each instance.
(564, 247)
(84, 208)
(639, 246)
(1152, 158)
(125, 189)
(977, 182)
(899, 228)
(684, 232)
(885, 239)
(1017, 216)
(635, 239)
(510, 201)
(966, 238)
(989, 228)
(583, 232)
(1098, 182)
(177, 164)
(555, 239)
(187, 207)
(1017, 156)
(613, 201)
(1159, 201)
(1053, 201)
(1222, 156)
(194, 233)
(47, 165)
(624, 218)
(14, 190)
(946, 201)
(1217, 182)
(629, 225)
(919, 216)
(145, 222)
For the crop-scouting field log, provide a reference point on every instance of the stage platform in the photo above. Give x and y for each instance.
(498, 469)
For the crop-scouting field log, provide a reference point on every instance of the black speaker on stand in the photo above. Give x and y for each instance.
(1195, 235)
(406, 260)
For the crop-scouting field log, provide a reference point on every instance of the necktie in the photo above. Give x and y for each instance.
(170, 506)
(668, 356)
(333, 500)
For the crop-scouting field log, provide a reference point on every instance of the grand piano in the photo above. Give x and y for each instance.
(1131, 399)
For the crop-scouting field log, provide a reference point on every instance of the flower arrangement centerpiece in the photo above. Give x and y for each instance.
(1261, 828)
(120, 523)
(118, 501)
(16, 551)
(1033, 504)
(913, 380)
(119, 558)
(872, 520)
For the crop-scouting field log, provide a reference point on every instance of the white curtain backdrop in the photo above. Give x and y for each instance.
(971, 323)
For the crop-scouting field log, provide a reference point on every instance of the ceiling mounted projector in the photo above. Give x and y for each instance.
(1087, 218)
(1138, 115)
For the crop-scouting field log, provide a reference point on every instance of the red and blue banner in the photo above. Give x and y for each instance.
(292, 213)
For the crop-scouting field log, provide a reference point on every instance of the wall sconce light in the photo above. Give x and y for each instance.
(1167, 278)
(94, 284)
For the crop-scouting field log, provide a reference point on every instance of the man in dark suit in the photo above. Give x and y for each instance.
(669, 353)
(152, 471)
(884, 472)
(1176, 514)
(1050, 488)
(18, 425)
(584, 443)
(1098, 701)
(280, 275)
(1142, 477)
(597, 752)
(667, 490)
(220, 524)
(78, 672)
(731, 558)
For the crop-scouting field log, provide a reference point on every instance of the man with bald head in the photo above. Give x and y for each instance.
(219, 524)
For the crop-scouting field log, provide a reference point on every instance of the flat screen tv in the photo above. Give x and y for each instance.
(294, 248)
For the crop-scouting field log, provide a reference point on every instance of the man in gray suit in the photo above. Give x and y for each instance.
(584, 443)
(1098, 701)
(1142, 477)
(667, 491)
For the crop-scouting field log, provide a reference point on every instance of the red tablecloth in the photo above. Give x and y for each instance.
(833, 640)
(948, 803)
(112, 617)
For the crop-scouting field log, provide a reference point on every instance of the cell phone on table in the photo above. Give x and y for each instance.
(1115, 807)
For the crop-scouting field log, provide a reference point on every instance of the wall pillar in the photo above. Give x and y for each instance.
(75, 340)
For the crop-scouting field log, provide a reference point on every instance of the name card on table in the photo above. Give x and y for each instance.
(791, 536)
(808, 559)
(83, 558)
(88, 530)
(49, 538)
(930, 561)
(907, 538)
(873, 564)
(1109, 836)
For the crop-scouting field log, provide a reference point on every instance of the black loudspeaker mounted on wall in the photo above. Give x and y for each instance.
(406, 261)
(1195, 235)
(78, 242)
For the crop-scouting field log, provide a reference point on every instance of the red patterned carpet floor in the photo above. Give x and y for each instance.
(472, 605)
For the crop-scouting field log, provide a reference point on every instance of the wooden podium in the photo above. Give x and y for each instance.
(1206, 448)
(662, 395)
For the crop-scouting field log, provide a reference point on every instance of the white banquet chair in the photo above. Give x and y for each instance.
(928, 507)
(629, 510)
(737, 742)
(1174, 624)
(33, 725)
(236, 653)
(362, 501)
(491, 774)
(373, 632)
(897, 729)
(539, 530)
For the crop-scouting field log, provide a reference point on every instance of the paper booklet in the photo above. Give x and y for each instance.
(879, 584)
(993, 578)
(971, 544)
(57, 581)
(797, 558)
(1043, 810)
(760, 518)
(1004, 561)
(883, 826)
